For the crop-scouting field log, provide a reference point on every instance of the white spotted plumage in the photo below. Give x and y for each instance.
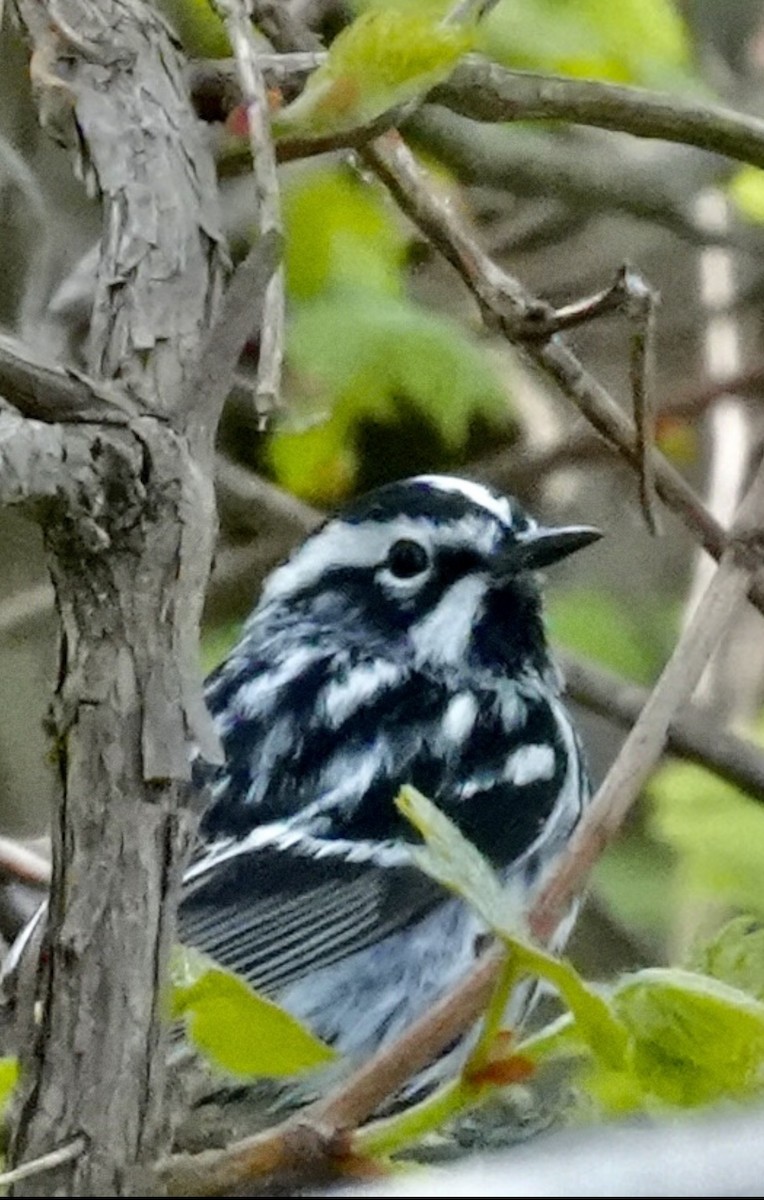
(402, 642)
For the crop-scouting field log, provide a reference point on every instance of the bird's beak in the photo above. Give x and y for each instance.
(537, 548)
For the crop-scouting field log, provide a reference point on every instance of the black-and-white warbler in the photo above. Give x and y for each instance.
(401, 643)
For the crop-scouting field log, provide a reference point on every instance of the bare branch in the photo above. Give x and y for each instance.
(693, 734)
(260, 501)
(642, 301)
(21, 863)
(715, 613)
(242, 313)
(485, 91)
(39, 461)
(235, 14)
(48, 392)
(46, 1162)
(316, 1137)
(506, 305)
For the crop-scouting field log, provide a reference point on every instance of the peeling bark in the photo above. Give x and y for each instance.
(127, 513)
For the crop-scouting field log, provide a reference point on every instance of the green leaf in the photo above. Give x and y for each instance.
(448, 857)
(453, 861)
(696, 1039)
(360, 357)
(384, 58)
(200, 31)
(237, 1029)
(340, 234)
(735, 956)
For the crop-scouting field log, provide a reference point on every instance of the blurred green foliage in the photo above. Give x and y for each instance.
(635, 41)
(216, 644)
(635, 880)
(360, 348)
(9, 1074)
(746, 190)
(715, 831)
(596, 624)
(342, 236)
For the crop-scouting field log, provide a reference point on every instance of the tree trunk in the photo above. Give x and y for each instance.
(127, 512)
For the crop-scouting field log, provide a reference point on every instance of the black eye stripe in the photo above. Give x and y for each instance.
(407, 558)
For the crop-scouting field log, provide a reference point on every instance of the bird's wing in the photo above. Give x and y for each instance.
(304, 816)
(273, 913)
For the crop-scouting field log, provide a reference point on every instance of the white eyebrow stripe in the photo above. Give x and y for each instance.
(366, 543)
(499, 506)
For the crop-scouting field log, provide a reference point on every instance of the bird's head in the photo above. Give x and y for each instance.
(435, 567)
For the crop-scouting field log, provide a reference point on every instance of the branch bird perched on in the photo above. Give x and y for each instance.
(402, 642)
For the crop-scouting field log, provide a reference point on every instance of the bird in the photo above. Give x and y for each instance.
(402, 642)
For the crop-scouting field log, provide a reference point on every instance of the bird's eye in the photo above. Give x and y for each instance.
(407, 559)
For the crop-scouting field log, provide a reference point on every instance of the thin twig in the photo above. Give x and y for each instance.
(717, 609)
(313, 1132)
(267, 203)
(22, 863)
(46, 1162)
(693, 734)
(487, 92)
(642, 303)
(469, 10)
(48, 392)
(506, 305)
(242, 312)
(629, 293)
